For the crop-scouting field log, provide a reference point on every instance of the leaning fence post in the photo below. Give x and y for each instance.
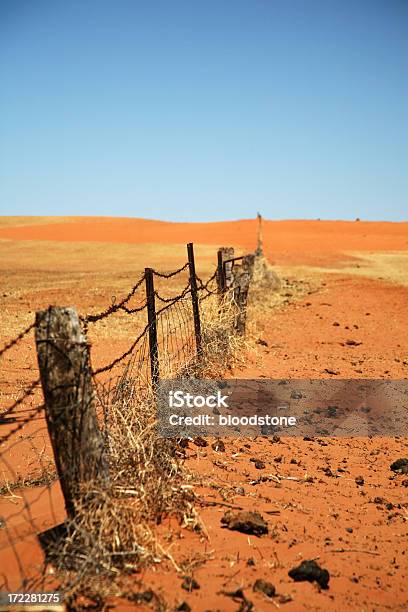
(194, 298)
(242, 280)
(224, 271)
(65, 372)
(152, 320)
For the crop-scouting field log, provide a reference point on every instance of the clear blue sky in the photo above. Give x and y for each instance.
(204, 109)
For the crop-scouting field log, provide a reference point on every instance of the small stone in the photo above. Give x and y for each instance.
(199, 441)
(218, 446)
(262, 586)
(189, 584)
(359, 480)
(251, 523)
(310, 571)
(400, 466)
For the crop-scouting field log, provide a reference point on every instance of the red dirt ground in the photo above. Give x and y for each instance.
(357, 531)
(301, 242)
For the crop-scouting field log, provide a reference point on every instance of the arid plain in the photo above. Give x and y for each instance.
(343, 281)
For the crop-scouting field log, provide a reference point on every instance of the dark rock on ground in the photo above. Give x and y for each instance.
(183, 442)
(183, 607)
(262, 586)
(359, 480)
(199, 441)
(310, 571)
(189, 584)
(400, 466)
(219, 446)
(142, 597)
(251, 523)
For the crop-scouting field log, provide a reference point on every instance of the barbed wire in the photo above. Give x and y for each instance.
(29, 391)
(168, 303)
(170, 274)
(114, 307)
(180, 296)
(178, 350)
(21, 424)
(139, 337)
(17, 339)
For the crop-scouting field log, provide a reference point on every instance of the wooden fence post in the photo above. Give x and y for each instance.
(194, 298)
(259, 247)
(77, 442)
(151, 317)
(242, 279)
(224, 272)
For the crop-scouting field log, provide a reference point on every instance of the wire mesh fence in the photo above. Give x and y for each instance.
(31, 500)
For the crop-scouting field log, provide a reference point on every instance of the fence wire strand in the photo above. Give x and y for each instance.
(117, 382)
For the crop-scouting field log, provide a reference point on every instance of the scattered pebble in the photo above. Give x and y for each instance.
(183, 607)
(251, 523)
(219, 446)
(262, 586)
(199, 441)
(310, 571)
(189, 584)
(400, 466)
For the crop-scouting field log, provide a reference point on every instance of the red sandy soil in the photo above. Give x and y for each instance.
(285, 241)
(358, 532)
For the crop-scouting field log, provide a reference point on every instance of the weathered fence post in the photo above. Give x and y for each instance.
(77, 442)
(194, 298)
(259, 248)
(224, 271)
(151, 317)
(242, 280)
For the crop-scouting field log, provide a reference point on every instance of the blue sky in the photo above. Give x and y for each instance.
(204, 110)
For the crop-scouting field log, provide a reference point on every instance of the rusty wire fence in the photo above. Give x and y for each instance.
(166, 342)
